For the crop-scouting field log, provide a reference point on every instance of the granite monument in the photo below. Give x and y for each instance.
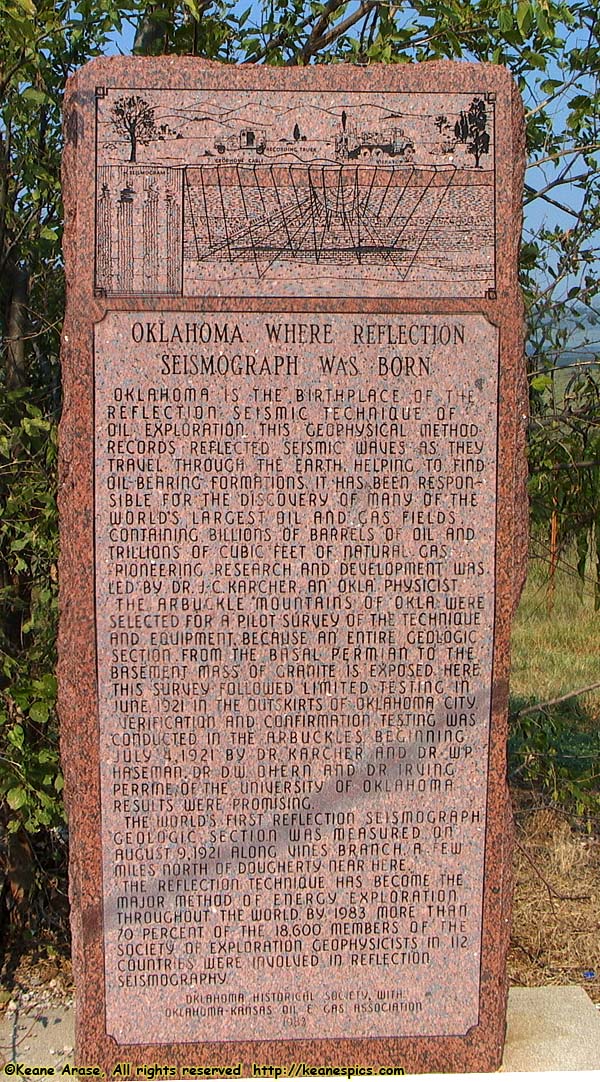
(293, 538)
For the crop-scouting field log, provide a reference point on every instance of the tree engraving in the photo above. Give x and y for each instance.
(134, 118)
(471, 129)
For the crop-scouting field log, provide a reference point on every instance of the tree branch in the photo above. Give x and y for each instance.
(559, 90)
(554, 702)
(562, 178)
(553, 203)
(6, 256)
(4, 181)
(561, 367)
(588, 149)
(322, 23)
(551, 890)
(16, 327)
(335, 32)
(148, 32)
(569, 466)
(275, 42)
(11, 71)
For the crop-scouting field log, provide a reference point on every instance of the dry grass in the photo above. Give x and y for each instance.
(556, 914)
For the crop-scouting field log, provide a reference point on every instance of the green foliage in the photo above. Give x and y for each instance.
(40, 44)
(553, 50)
(565, 462)
(30, 777)
(557, 752)
(555, 748)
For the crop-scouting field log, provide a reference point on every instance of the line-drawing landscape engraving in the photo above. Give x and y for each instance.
(294, 194)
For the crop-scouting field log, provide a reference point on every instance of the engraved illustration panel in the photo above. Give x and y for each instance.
(294, 194)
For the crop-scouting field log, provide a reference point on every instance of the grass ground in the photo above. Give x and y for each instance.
(556, 650)
(556, 647)
(555, 774)
(556, 907)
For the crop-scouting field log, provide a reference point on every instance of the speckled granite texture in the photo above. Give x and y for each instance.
(378, 209)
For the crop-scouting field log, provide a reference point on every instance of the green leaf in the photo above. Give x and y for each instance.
(27, 6)
(38, 96)
(16, 797)
(542, 21)
(505, 20)
(48, 684)
(16, 736)
(192, 7)
(39, 713)
(524, 18)
(537, 61)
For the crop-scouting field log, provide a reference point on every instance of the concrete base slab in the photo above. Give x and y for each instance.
(552, 1029)
(549, 1029)
(37, 1037)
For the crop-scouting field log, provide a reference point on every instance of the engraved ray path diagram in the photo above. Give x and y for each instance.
(281, 198)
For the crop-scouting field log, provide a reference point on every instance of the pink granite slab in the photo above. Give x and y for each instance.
(293, 526)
